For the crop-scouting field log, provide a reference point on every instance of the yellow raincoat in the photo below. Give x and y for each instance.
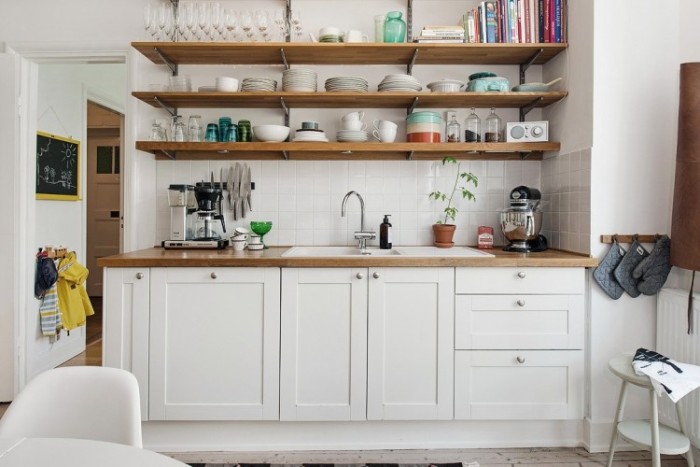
(73, 300)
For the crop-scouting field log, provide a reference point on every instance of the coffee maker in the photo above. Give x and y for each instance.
(522, 221)
(205, 232)
(182, 205)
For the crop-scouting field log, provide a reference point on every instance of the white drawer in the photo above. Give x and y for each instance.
(519, 385)
(519, 322)
(530, 280)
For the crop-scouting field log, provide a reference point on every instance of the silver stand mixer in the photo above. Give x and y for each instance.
(522, 221)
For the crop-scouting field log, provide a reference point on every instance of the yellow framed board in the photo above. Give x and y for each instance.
(57, 167)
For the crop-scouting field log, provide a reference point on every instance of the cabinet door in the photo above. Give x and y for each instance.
(324, 344)
(411, 343)
(519, 384)
(125, 324)
(214, 344)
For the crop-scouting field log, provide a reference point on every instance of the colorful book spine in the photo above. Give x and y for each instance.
(546, 21)
(557, 21)
(490, 17)
(540, 20)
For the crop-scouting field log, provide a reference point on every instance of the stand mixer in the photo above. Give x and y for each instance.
(522, 221)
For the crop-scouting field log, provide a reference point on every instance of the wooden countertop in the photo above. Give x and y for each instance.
(272, 257)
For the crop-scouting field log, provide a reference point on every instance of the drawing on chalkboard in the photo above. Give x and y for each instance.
(57, 167)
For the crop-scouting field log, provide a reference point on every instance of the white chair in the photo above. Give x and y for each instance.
(85, 402)
(646, 434)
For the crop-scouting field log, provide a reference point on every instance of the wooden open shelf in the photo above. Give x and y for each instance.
(349, 99)
(346, 151)
(307, 53)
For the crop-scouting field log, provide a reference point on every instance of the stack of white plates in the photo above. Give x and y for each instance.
(258, 84)
(180, 84)
(399, 83)
(446, 85)
(347, 84)
(330, 38)
(354, 136)
(299, 80)
(310, 135)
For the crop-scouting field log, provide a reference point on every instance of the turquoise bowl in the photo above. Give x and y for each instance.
(424, 117)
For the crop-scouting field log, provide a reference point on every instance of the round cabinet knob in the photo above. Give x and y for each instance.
(520, 359)
(139, 275)
(359, 275)
(213, 275)
(375, 275)
(521, 275)
(521, 302)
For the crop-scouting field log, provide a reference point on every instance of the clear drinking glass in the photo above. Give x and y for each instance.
(194, 128)
(157, 132)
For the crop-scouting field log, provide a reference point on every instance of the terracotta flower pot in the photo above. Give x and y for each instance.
(443, 234)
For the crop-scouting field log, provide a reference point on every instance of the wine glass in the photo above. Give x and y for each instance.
(203, 20)
(262, 21)
(231, 24)
(261, 228)
(247, 24)
(281, 22)
(217, 20)
(296, 25)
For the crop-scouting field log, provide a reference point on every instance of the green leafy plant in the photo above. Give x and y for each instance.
(461, 184)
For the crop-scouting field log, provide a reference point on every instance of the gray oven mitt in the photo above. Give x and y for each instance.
(603, 274)
(623, 271)
(653, 270)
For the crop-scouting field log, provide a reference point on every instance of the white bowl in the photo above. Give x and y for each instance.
(226, 84)
(256, 246)
(271, 132)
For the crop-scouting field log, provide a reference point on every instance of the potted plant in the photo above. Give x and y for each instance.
(443, 231)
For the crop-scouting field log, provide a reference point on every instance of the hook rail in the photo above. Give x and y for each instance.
(629, 238)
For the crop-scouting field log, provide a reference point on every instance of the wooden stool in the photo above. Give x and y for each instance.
(646, 434)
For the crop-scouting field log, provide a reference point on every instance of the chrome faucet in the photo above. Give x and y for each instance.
(362, 236)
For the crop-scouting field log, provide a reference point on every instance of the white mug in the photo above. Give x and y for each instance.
(385, 135)
(381, 124)
(355, 36)
(353, 116)
(255, 240)
(239, 245)
(239, 236)
(354, 125)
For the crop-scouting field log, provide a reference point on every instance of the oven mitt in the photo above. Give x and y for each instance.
(623, 271)
(653, 270)
(603, 274)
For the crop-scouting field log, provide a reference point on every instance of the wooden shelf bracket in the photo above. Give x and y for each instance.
(527, 64)
(166, 61)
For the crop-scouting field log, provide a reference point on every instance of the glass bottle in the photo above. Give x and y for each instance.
(394, 27)
(493, 128)
(454, 130)
(472, 128)
(178, 129)
(194, 128)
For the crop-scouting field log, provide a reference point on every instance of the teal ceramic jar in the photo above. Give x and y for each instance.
(394, 27)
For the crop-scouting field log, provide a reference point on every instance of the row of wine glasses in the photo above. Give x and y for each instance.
(217, 21)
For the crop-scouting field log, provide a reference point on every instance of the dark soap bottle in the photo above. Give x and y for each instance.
(385, 233)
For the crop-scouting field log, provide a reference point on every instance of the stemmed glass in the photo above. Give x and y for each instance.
(261, 228)
(296, 26)
(262, 21)
(149, 20)
(247, 24)
(165, 20)
(281, 23)
(203, 20)
(231, 24)
(217, 20)
(190, 14)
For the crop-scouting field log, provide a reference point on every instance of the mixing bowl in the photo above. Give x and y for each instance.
(274, 133)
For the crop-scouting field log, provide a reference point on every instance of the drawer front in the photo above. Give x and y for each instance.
(519, 322)
(519, 385)
(529, 280)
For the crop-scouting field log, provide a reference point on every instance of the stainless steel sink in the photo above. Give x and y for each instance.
(422, 251)
(330, 251)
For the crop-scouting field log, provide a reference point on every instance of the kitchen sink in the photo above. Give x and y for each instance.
(425, 251)
(325, 251)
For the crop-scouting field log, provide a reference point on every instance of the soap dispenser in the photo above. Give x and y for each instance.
(385, 233)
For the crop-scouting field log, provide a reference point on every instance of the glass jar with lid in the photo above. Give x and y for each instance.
(157, 132)
(472, 128)
(493, 128)
(179, 130)
(453, 130)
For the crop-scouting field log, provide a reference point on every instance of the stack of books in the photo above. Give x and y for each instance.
(441, 34)
(517, 21)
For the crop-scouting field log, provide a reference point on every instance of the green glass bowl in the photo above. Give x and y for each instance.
(260, 227)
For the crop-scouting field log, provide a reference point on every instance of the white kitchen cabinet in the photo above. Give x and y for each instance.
(214, 344)
(519, 336)
(323, 344)
(125, 324)
(410, 344)
(363, 343)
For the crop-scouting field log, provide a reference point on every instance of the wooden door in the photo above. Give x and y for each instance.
(103, 203)
(410, 344)
(324, 344)
(214, 344)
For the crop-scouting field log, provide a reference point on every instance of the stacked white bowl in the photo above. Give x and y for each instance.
(226, 84)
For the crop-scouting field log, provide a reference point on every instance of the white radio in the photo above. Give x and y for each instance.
(527, 131)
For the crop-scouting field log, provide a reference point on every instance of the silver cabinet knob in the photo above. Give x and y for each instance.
(521, 302)
(359, 275)
(139, 275)
(520, 359)
(521, 275)
(213, 275)
(375, 275)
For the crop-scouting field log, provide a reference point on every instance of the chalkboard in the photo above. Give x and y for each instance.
(57, 167)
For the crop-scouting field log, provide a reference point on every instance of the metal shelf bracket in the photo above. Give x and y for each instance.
(524, 155)
(524, 110)
(171, 110)
(285, 154)
(168, 63)
(171, 155)
(413, 105)
(284, 58)
(286, 111)
(527, 64)
(410, 156)
(409, 67)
